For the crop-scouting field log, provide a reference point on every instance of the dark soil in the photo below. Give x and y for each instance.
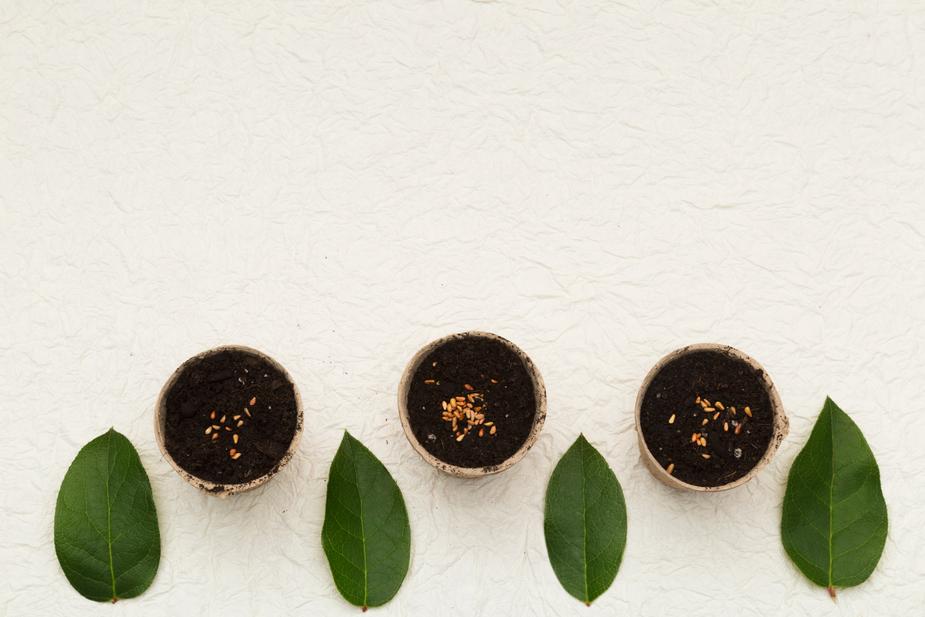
(510, 403)
(714, 376)
(225, 382)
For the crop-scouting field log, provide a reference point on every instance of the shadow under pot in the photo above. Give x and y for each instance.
(228, 419)
(471, 404)
(708, 418)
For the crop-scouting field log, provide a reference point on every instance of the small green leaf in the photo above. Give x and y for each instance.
(106, 534)
(834, 520)
(585, 522)
(366, 535)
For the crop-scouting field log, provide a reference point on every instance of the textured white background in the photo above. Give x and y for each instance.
(337, 184)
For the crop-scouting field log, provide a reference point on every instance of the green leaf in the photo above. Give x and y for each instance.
(585, 522)
(834, 520)
(366, 535)
(106, 534)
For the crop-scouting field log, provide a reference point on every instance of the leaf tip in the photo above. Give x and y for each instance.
(831, 591)
(365, 608)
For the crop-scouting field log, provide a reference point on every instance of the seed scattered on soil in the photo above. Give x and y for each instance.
(208, 430)
(212, 415)
(236, 456)
(748, 411)
(671, 419)
(234, 438)
(670, 468)
(253, 401)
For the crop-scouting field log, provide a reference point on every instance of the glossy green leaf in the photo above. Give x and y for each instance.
(366, 535)
(834, 520)
(585, 522)
(106, 534)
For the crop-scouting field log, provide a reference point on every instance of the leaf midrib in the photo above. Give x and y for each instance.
(356, 481)
(831, 492)
(584, 522)
(112, 569)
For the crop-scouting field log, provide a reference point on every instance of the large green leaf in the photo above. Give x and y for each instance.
(106, 534)
(585, 522)
(834, 520)
(366, 535)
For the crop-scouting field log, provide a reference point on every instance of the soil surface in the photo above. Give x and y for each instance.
(713, 376)
(230, 383)
(501, 388)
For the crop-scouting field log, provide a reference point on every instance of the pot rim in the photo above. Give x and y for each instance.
(215, 488)
(780, 429)
(539, 391)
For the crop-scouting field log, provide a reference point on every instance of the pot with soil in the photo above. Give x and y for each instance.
(471, 404)
(708, 418)
(228, 419)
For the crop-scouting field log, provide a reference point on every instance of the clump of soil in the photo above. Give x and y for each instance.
(707, 418)
(471, 402)
(230, 417)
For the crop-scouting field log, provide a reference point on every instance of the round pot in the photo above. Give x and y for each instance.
(781, 425)
(539, 392)
(213, 488)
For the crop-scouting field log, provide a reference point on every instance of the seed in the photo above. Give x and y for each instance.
(719, 406)
(738, 429)
(493, 380)
(236, 456)
(493, 430)
(732, 410)
(452, 403)
(429, 381)
(705, 455)
(222, 420)
(705, 420)
(697, 401)
(695, 437)
(489, 423)
(748, 411)
(216, 426)
(235, 417)
(716, 415)
(227, 428)
(461, 437)
(709, 409)
(670, 468)
(212, 415)
(232, 452)
(253, 401)
(671, 419)
(247, 411)
(726, 426)
(703, 442)
(468, 387)
(443, 403)
(234, 438)
(208, 430)
(461, 399)
(240, 423)
(481, 432)
(705, 402)
(214, 435)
